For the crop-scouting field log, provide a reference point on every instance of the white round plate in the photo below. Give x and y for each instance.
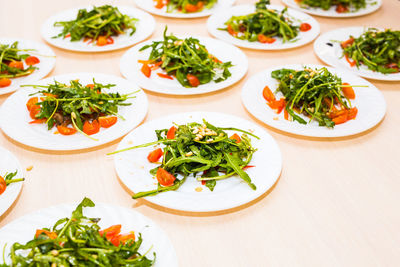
(131, 68)
(372, 6)
(42, 52)
(23, 229)
(14, 117)
(144, 28)
(217, 20)
(133, 167)
(369, 101)
(148, 5)
(9, 164)
(329, 50)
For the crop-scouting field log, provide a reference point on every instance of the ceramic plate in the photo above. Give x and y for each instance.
(369, 101)
(144, 28)
(148, 5)
(133, 167)
(217, 21)
(329, 50)
(43, 52)
(372, 6)
(22, 230)
(9, 164)
(14, 117)
(130, 69)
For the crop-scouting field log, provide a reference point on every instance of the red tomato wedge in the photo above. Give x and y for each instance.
(4, 82)
(101, 41)
(231, 31)
(31, 102)
(90, 128)
(347, 43)
(265, 39)
(16, 64)
(155, 155)
(348, 91)
(51, 235)
(164, 177)
(193, 80)
(171, 132)
(64, 130)
(191, 8)
(3, 185)
(107, 122)
(341, 9)
(304, 27)
(111, 231)
(146, 70)
(235, 137)
(31, 60)
(268, 95)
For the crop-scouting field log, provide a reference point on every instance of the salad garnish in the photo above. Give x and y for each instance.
(98, 25)
(8, 179)
(342, 6)
(78, 241)
(203, 150)
(315, 93)
(12, 63)
(264, 25)
(185, 59)
(376, 49)
(86, 107)
(184, 6)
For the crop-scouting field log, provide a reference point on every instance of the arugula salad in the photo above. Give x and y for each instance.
(264, 25)
(86, 108)
(184, 6)
(315, 93)
(378, 50)
(12, 64)
(79, 241)
(201, 150)
(187, 60)
(98, 25)
(8, 179)
(342, 6)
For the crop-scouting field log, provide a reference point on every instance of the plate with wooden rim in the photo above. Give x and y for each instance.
(133, 167)
(131, 68)
(328, 49)
(371, 6)
(369, 101)
(144, 28)
(9, 164)
(14, 116)
(218, 20)
(155, 239)
(149, 6)
(45, 55)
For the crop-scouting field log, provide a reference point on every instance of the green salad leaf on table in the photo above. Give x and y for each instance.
(315, 93)
(342, 6)
(186, 59)
(378, 50)
(79, 241)
(184, 6)
(8, 179)
(12, 63)
(98, 25)
(264, 25)
(86, 107)
(202, 150)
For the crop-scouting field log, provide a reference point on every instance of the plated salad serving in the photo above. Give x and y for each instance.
(97, 26)
(15, 62)
(314, 93)
(335, 8)
(379, 50)
(187, 60)
(8, 179)
(198, 161)
(79, 241)
(201, 150)
(184, 6)
(76, 107)
(264, 25)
